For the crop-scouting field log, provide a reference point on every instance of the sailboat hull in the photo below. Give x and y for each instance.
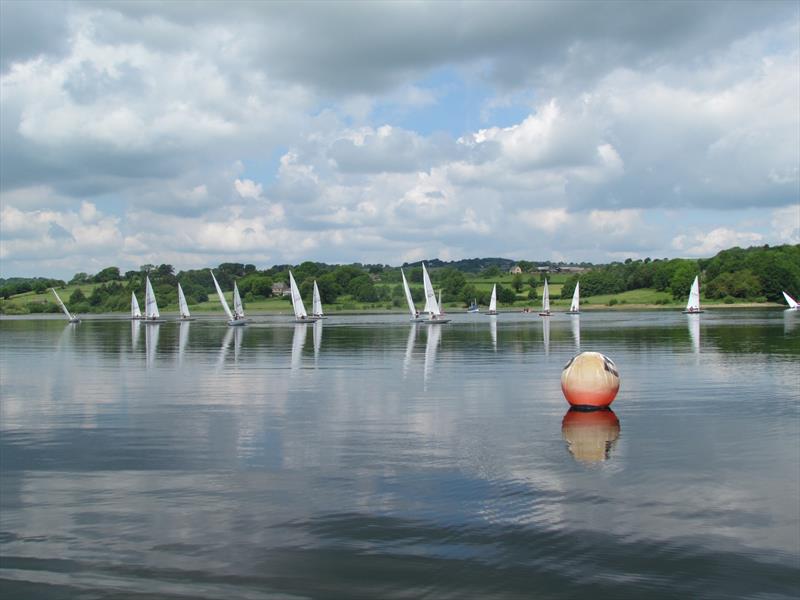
(237, 323)
(692, 312)
(491, 313)
(545, 314)
(307, 320)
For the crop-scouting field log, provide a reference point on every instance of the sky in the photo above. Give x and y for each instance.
(196, 133)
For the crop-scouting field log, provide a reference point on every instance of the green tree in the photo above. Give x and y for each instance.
(517, 283)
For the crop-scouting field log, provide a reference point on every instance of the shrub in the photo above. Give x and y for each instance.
(613, 302)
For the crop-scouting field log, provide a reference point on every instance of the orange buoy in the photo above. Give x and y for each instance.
(590, 380)
(590, 435)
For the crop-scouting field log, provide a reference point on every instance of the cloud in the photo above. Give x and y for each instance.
(709, 243)
(269, 132)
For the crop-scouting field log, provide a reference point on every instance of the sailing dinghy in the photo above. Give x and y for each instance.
(473, 308)
(493, 302)
(545, 301)
(790, 301)
(233, 320)
(238, 307)
(300, 314)
(316, 303)
(415, 316)
(183, 307)
(70, 317)
(435, 316)
(693, 305)
(575, 307)
(151, 314)
(136, 312)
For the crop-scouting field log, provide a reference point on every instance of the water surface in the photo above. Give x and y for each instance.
(365, 457)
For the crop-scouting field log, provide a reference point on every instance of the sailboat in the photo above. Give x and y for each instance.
(233, 321)
(431, 305)
(238, 308)
(493, 302)
(693, 305)
(545, 301)
(790, 301)
(136, 312)
(151, 314)
(316, 303)
(415, 316)
(575, 307)
(183, 307)
(70, 317)
(473, 308)
(300, 314)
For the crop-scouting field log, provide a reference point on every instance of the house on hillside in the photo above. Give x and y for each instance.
(515, 270)
(281, 289)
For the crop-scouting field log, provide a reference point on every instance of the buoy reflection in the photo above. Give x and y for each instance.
(590, 435)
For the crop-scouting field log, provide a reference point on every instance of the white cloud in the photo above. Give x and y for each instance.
(707, 244)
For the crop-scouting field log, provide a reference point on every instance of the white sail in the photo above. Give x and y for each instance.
(790, 301)
(238, 309)
(316, 302)
(431, 306)
(136, 312)
(693, 304)
(411, 308)
(68, 314)
(493, 301)
(222, 300)
(546, 298)
(576, 299)
(183, 308)
(297, 300)
(150, 305)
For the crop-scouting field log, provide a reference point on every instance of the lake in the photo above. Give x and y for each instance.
(364, 457)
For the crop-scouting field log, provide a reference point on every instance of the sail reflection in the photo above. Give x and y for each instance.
(576, 330)
(223, 349)
(694, 332)
(590, 435)
(298, 341)
(151, 343)
(493, 332)
(431, 346)
(135, 328)
(317, 337)
(412, 338)
(183, 339)
(790, 319)
(546, 334)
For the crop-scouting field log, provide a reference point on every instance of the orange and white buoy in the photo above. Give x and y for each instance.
(590, 380)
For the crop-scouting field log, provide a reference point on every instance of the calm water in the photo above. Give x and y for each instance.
(368, 458)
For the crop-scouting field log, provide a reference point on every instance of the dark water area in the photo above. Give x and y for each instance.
(364, 457)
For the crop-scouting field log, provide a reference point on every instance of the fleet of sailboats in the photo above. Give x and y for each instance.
(545, 301)
(693, 305)
(70, 317)
(234, 319)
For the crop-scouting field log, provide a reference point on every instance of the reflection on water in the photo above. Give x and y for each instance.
(431, 346)
(590, 435)
(493, 331)
(575, 321)
(546, 334)
(413, 461)
(151, 342)
(790, 319)
(298, 341)
(694, 331)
